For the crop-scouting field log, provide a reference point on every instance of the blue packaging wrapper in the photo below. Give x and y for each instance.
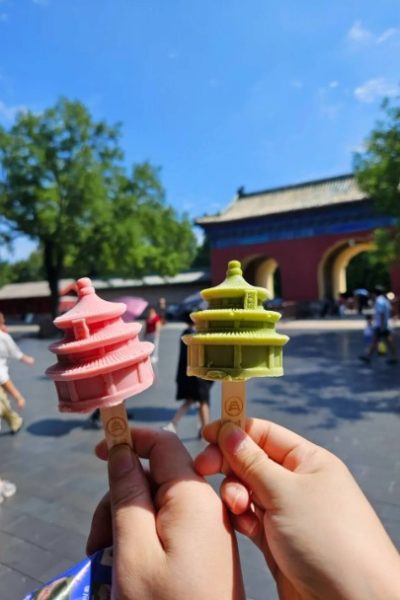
(90, 579)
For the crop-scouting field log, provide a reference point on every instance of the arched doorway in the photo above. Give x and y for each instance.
(362, 273)
(332, 272)
(264, 272)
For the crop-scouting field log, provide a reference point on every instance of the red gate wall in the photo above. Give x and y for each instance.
(298, 261)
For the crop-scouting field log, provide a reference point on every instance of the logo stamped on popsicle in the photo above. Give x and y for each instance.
(233, 406)
(116, 426)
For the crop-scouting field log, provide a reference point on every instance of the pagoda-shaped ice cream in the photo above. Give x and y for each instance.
(101, 360)
(235, 339)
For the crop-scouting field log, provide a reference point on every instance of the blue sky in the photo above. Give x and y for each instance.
(219, 93)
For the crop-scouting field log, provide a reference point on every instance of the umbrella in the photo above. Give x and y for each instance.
(135, 306)
(361, 292)
(194, 301)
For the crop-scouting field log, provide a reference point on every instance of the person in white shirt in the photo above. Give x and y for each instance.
(9, 349)
(381, 327)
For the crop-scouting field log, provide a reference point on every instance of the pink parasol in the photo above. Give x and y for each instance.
(135, 306)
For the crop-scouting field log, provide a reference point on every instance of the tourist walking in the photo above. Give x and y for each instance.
(381, 327)
(9, 349)
(190, 389)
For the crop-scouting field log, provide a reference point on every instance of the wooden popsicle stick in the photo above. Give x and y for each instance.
(116, 427)
(233, 402)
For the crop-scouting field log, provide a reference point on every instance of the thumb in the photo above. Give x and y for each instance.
(132, 509)
(266, 479)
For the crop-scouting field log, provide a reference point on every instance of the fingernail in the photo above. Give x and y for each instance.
(121, 460)
(238, 500)
(232, 438)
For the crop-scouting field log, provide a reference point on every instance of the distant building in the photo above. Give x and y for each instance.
(307, 233)
(20, 299)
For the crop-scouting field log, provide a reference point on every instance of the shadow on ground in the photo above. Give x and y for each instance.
(316, 381)
(61, 427)
(56, 427)
(150, 414)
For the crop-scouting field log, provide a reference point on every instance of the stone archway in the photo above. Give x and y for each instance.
(333, 265)
(261, 271)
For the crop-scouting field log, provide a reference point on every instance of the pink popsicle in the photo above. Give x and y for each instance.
(101, 361)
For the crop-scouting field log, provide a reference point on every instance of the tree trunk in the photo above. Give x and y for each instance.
(53, 264)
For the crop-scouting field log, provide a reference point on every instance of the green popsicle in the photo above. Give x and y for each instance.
(235, 339)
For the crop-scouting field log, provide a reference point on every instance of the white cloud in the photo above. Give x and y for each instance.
(375, 89)
(358, 34)
(9, 112)
(385, 35)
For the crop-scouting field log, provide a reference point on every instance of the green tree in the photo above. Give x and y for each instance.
(28, 269)
(64, 185)
(5, 273)
(365, 271)
(377, 170)
(203, 259)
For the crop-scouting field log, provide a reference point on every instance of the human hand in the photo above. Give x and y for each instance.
(28, 360)
(171, 534)
(20, 400)
(301, 506)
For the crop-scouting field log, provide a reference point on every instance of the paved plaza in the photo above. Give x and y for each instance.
(326, 395)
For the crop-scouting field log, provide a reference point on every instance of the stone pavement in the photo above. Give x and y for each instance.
(326, 395)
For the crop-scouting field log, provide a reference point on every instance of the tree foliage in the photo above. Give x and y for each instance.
(202, 259)
(377, 170)
(63, 183)
(366, 271)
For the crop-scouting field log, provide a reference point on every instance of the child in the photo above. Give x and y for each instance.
(8, 348)
(190, 389)
(368, 332)
(369, 335)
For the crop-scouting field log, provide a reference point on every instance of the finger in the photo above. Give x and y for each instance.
(209, 461)
(100, 535)
(278, 442)
(235, 495)
(169, 460)
(132, 510)
(248, 524)
(261, 475)
(101, 452)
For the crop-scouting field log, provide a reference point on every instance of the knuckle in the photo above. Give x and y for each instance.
(252, 466)
(126, 493)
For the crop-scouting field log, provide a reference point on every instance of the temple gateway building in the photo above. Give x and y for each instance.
(298, 238)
